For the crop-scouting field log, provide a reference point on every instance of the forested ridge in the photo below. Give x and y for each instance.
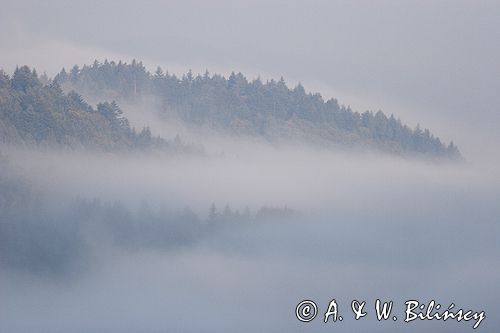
(272, 110)
(36, 111)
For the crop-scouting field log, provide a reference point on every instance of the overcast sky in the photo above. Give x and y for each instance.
(433, 62)
(372, 226)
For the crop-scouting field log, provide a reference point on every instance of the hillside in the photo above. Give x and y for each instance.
(271, 110)
(33, 112)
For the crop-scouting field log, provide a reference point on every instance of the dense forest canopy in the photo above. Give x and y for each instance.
(36, 111)
(269, 109)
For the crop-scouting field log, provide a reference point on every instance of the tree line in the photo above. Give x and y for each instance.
(36, 111)
(270, 109)
(55, 242)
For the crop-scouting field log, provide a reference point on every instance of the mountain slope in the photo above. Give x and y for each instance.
(42, 114)
(271, 110)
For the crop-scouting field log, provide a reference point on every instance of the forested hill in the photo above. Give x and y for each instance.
(35, 111)
(239, 106)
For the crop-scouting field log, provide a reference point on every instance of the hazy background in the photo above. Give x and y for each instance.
(433, 62)
(372, 226)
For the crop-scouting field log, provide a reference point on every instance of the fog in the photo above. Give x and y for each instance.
(367, 227)
(94, 241)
